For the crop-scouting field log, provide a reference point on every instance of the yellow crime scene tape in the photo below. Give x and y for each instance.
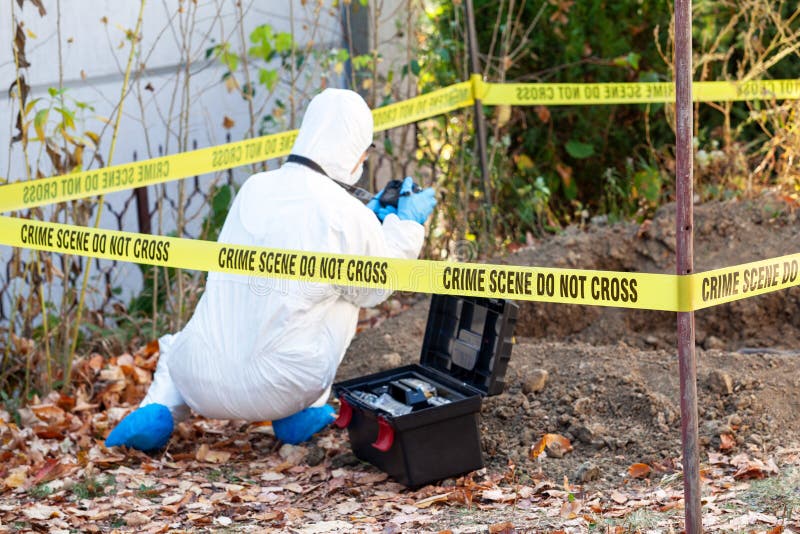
(422, 107)
(728, 284)
(561, 94)
(22, 195)
(44, 191)
(569, 286)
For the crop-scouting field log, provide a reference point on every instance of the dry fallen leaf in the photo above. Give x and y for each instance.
(41, 512)
(755, 469)
(639, 471)
(726, 442)
(714, 458)
(294, 487)
(151, 348)
(618, 497)
(205, 454)
(17, 477)
(371, 478)
(125, 362)
(136, 519)
(326, 526)
(502, 528)
(570, 509)
(96, 362)
(347, 508)
(543, 113)
(49, 413)
(496, 495)
(424, 503)
(555, 444)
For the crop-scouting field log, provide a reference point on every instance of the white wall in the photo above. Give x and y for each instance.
(94, 55)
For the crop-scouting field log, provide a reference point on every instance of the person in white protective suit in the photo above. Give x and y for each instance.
(263, 349)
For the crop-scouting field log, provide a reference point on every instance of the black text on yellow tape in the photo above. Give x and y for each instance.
(742, 281)
(84, 184)
(569, 286)
(557, 94)
(21, 195)
(423, 107)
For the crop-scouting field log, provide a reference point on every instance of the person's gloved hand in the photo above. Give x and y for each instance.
(415, 206)
(301, 426)
(380, 210)
(145, 429)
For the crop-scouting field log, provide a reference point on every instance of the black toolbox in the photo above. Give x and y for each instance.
(420, 434)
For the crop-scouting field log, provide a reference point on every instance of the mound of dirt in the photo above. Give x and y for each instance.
(612, 376)
(726, 234)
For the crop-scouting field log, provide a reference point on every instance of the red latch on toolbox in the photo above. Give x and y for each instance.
(345, 413)
(385, 437)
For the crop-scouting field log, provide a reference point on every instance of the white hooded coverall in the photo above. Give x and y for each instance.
(262, 349)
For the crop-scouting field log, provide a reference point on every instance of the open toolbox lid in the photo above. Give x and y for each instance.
(470, 339)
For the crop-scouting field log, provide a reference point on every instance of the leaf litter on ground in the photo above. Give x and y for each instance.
(56, 475)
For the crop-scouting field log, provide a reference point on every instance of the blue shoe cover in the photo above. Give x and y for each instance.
(301, 426)
(145, 429)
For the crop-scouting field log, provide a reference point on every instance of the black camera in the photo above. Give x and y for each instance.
(391, 193)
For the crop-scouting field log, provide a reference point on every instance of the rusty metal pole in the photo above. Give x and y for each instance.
(480, 120)
(142, 206)
(687, 363)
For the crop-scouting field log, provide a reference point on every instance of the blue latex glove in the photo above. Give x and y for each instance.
(380, 210)
(145, 429)
(301, 426)
(415, 206)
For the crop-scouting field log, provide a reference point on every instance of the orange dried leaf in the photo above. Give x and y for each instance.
(126, 365)
(96, 362)
(750, 470)
(205, 454)
(502, 528)
(639, 470)
(726, 442)
(65, 402)
(151, 348)
(424, 503)
(49, 413)
(543, 113)
(553, 443)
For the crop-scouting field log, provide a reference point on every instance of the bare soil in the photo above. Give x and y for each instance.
(612, 386)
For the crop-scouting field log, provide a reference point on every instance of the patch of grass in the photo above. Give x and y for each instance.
(227, 474)
(641, 520)
(148, 492)
(40, 491)
(780, 494)
(93, 487)
(214, 475)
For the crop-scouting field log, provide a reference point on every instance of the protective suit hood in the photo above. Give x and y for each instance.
(336, 130)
